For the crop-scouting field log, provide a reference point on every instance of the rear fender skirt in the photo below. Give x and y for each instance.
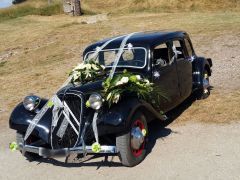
(20, 119)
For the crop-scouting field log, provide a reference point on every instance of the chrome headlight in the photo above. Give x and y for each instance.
(31, 102)
(95, 101)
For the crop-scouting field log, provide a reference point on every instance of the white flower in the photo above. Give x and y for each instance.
(124, 80)
(119, 83)
(146, 81)
(103, 67)
(79, 66)
(116, 98)
(95, 67)
(88, 74)
(138, 77)
(109, 96)
(76, 76)
(88, 66)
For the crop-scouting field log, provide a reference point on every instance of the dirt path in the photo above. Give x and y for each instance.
(192, 151)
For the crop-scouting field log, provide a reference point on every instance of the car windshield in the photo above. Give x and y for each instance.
(131, 57)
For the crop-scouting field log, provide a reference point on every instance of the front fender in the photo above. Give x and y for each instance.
(117, 119)
(21, 118)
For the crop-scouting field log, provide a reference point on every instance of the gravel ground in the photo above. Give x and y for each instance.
(224, 50)
(192, 151)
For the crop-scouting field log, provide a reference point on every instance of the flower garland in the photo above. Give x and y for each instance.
(114, 88)
(86, 72)
(126, 82)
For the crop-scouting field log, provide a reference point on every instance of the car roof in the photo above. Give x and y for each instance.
(141, 39)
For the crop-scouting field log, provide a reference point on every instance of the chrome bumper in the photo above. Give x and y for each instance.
(45, 152)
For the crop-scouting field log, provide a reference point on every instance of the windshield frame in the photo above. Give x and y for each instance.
(122, 66)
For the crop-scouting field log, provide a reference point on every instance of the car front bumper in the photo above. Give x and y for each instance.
(46, 152)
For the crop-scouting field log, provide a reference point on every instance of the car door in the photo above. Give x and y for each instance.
(184, 68)
(164, 75)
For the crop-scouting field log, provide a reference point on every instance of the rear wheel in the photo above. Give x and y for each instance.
(132, 145)
(30, 156)
(204, 91)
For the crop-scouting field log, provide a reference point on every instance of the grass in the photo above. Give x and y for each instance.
(126, 6)
(40, 7)
(31, 8)
(215, 109)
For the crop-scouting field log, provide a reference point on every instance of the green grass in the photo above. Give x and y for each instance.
(2, 63)
(46, 10)
(41, 7)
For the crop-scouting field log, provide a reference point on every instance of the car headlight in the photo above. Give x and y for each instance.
(95, 101)
(31, 102)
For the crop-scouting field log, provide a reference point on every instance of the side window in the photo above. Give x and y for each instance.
(178, 44)
(161, 55)
(188, 47)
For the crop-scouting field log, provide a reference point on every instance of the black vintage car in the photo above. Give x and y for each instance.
(82, 118)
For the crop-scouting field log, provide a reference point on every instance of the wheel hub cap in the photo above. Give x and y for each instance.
(137, 138)
(206, 82)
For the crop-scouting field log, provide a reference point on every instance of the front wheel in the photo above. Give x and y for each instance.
(30, 156)
(132, 145)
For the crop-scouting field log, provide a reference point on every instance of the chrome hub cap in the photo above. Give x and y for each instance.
(137, 138)
(206, 84)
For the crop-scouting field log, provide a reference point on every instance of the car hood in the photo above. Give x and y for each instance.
(87, 88)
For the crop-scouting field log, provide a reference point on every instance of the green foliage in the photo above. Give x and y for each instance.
(116, 87)
(2, 63)
(50, 10)
(86, 72)
(13, 146)
(126, 82)
(46, 10)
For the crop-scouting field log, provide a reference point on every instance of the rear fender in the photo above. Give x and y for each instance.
(199, 65)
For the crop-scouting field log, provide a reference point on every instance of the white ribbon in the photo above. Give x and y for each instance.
(176, 52)
(56, 100)
(120, 51)
(40, 114)
(98, 49)
(94, 126)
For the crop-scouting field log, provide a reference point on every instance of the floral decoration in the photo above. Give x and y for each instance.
(115, 88)
(126, 82)
(86, 72)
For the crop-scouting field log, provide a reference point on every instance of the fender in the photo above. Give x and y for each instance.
(199, 65)
(117, 119)
(20, 119)
(114, 120)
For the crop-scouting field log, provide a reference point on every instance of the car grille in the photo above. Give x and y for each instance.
(64, 135)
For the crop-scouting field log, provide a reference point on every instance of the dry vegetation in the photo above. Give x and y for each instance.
(116, 6)
(36, 53)
(89, 7)
(31, 7)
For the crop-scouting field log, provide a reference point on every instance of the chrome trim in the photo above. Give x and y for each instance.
(45, 152)
(34, 99)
